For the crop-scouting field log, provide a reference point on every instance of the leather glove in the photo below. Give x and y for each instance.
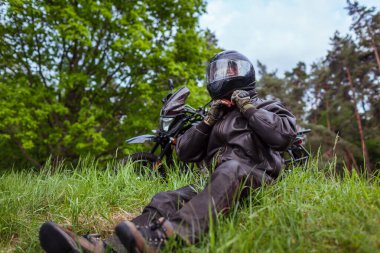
(215, 112)
(242, 100)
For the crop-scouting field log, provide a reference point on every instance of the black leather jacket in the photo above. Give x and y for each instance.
(254, 138)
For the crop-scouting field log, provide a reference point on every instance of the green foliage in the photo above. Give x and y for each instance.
(306, 210)
(80, 77)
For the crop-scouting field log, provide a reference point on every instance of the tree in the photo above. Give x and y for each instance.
(296, 87)
(79, 76)
(269, 84)
(366, 24)
(344, 61)
(290, 90)
(319, 97)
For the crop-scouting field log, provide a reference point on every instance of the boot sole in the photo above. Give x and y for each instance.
(54, 240)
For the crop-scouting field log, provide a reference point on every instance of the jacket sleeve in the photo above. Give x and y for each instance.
(192, 145)
(275, 125)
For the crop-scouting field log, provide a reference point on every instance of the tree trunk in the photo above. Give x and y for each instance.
(376, 53)
(373, 44)
(359, 122)
(352, 158)
(327, 115)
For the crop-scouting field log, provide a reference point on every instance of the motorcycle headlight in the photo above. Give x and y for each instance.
(165, 123)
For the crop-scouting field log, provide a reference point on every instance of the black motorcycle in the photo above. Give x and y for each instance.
(175, 118)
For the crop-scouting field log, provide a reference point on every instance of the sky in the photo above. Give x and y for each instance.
(278, 33)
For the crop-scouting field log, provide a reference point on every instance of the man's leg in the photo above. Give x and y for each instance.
(193, 219)
(164, 204)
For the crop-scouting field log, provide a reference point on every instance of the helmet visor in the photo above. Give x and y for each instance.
(226, 68)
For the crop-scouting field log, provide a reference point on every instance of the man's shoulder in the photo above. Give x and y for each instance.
(266, 103)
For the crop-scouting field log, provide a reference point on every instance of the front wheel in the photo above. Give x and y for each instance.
(144, 162)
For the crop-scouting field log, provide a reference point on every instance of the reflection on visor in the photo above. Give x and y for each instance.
(226, 68)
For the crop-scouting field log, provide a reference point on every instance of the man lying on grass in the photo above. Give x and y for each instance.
(242, 134)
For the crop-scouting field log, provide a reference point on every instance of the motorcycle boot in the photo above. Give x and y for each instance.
(56, 239)
(141, 239)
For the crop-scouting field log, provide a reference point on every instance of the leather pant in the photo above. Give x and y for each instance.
(191, 212)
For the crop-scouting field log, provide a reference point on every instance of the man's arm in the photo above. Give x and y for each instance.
(270, 120)
(274, 124)
(192, 145)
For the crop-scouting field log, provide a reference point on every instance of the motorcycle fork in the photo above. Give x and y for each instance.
(155, 147)
(165, 150)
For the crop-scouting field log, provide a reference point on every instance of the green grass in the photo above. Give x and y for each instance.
(306, 211)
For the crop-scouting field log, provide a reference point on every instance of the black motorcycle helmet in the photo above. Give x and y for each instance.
(229, 71)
